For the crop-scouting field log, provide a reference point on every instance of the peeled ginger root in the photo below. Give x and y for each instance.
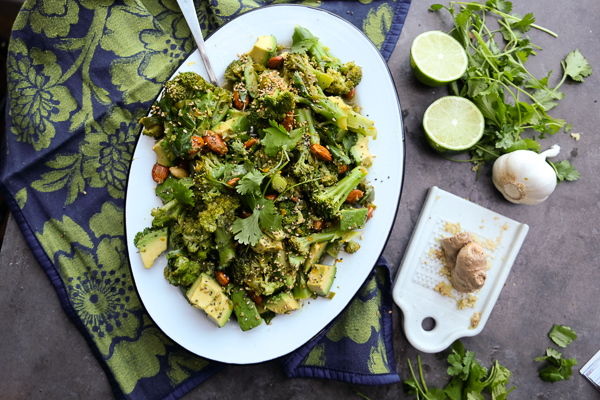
(470, 271)
(452, 245)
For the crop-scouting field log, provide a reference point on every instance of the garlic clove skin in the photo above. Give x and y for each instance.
(524, 176)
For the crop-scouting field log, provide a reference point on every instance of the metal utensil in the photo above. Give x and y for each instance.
(189, 13)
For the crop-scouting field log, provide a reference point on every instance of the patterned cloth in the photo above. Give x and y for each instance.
(81, 73)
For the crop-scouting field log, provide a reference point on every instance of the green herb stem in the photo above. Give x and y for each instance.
(508, 16)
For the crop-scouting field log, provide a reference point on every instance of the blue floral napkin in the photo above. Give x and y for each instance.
(81, 73)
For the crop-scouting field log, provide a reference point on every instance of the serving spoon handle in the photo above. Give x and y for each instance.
(189, 13)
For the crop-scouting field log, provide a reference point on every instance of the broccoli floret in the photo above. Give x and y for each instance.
(220, 212)
(329, 200)
(207, 172)
(294, 220)
(187, 85)
(304, 168)
(259, 272)
(327, 177)
(193, 237)
(274, 100)
(153, 127)
(169, 213)
(344, 80)
(277, 105)
(302, 244)
(235, 70)
(352, 73)
(352, 247)
(181, 270)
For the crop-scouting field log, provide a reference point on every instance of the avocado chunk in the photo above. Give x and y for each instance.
(282, 303)
(360, 152)
(340, 102)
(314, 255)
(231, 127)
(207, 294)
(301, 290)
(245, 310)
(320, 278)
(264, 48)
(267, 245)
(151, 243)
(162, 157)
(353, 218)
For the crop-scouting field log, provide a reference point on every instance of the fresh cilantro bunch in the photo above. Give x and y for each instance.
(468, 379)
(512, 100)
(558, 368)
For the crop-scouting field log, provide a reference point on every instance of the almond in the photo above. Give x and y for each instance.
(215, 143)
(354, 196)
(159, 173)
(250, 142)
(320, 152)
(275, 62)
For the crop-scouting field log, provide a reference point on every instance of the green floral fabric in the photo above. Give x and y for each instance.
(81, 73)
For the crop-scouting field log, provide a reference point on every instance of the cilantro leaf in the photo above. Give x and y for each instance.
(265, 215)
(302, 41)
(547, 98)
(250, 183)
(436, 394)
(277, 138)
(562, 335)
(565, 171)
(500, 5)
(576, 66)
(247, 230)
(475, 396)
(435, 7)
(555, 373)
(454, 389)
(173, 188)
(524, 24)
(270, 218)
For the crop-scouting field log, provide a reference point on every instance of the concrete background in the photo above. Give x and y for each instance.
(555, 277)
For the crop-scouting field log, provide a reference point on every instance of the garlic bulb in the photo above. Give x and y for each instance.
(524, 176)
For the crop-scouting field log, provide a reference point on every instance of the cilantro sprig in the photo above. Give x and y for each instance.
(265, 215)
(468, 379)
(558, 368)
(512, 100)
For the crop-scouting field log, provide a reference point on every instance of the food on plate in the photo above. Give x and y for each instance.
(524, 176)
(466, 262)
(261, 180)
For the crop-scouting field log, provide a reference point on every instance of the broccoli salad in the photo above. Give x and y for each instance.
(260, 180)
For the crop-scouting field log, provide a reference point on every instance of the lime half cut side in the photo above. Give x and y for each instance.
(453, 123)
(437, 58)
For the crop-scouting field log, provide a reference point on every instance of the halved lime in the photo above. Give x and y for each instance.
(437, 58)
(453, 123)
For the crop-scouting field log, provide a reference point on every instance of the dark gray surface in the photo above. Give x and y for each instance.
(555, 277)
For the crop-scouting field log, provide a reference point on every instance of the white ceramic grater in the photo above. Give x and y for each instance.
(443, 215)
